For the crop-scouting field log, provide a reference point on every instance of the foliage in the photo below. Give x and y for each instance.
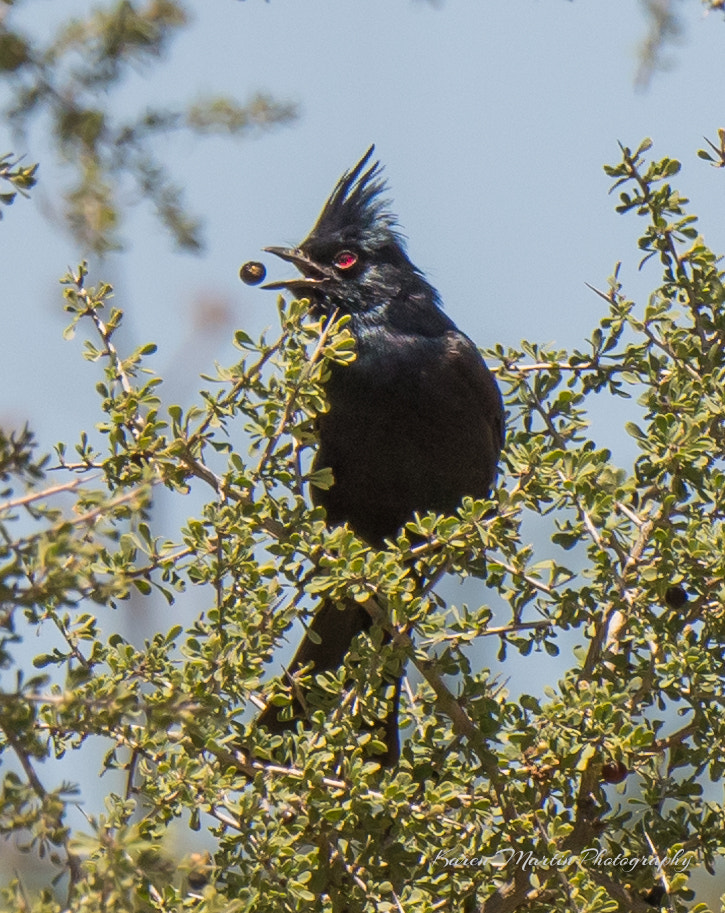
(21, 179)
(65, 83)
(665, 28)
(498, 804)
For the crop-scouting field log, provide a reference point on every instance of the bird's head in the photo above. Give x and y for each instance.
(354, 259)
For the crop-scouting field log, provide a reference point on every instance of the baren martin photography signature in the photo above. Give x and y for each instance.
(593, 856)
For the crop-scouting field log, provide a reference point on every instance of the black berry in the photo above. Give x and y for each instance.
(252, 273)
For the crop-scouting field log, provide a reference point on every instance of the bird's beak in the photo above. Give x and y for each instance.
(312, 273)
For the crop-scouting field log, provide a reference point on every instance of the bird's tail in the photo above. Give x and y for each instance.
(333, 631)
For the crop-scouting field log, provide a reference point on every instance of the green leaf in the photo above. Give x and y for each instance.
(635, 431)
(322, 479)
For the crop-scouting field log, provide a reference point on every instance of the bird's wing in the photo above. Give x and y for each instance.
(464, 360)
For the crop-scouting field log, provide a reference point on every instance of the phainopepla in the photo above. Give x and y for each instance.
(415, 423)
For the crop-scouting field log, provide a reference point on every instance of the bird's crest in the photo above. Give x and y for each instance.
(356, 203)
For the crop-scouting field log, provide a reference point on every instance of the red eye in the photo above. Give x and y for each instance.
(345, 259)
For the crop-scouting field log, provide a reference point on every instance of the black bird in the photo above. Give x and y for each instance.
(415, 423)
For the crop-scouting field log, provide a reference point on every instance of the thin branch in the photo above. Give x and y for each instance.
(612, 626)
(550, 427)
(75, 467)
(45, 493)
(514, 895)
(639, 546)
(236, 389)
(200, 470)
(590, 527)
(558, 874)
(290, 405)
(225, 819)
(672, 250)
(532, 581)
(413, 704)
(675, 738)
(516, 626)
(630, 514)
(73, 861)
(247, 766)
(667, 349)
(276, 529)
(398, 904)
(552, 366)
(105, 334)
(629, 901)
(133, 761)
(92, 515)
(609, 298)
(660, 867)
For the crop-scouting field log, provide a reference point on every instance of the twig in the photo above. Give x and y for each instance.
(629, 901)
(552, 366)
(398, 904)
(75, 467)
(672, 250)
(248, 766)
(655, 853)
(590, 527)
(516, 626)
(289, 406)
(238, 386)
(674, 739)
(276, 529)
(200, 470)
(412, 702)
(73, 861)
(516, 894)
(532, 581)
(45, 493)
(660, 344)
(92, 515)
(609, 298)
(630, 514)
(558, 874)
(133, 761)
(105, 334)
(225, 819)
